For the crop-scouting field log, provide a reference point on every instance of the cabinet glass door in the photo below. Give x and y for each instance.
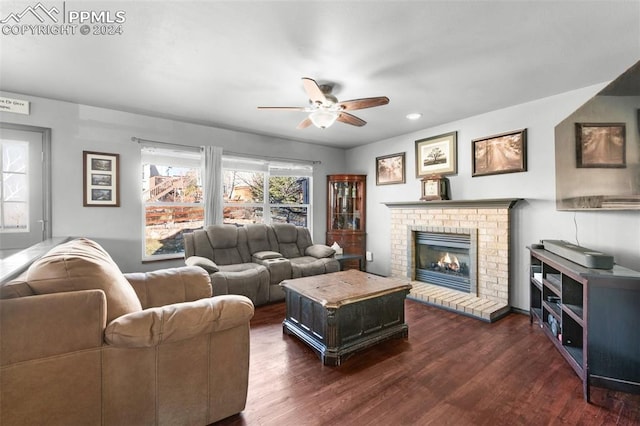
(345, 210)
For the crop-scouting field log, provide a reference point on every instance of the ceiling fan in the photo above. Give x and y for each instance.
(325, 108)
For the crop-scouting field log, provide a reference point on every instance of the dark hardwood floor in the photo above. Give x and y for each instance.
(452, 370)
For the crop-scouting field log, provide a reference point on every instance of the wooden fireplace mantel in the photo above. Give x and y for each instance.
(486, 203)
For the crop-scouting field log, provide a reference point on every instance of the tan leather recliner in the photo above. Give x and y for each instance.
(82, 343)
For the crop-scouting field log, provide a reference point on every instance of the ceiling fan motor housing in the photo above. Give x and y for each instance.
(325, 108)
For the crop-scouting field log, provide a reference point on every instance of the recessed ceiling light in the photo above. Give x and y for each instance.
(414, 116)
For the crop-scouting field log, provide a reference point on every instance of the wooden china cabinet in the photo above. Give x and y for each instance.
(346, 216)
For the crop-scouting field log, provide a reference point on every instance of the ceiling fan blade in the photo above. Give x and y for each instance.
(313, 90)
(363, 103)
(285, 108)
(304, 123)
(347, 118)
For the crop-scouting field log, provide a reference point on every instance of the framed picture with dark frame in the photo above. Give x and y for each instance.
(601, 145)
(390, 169)
(101, 179)
(437, 155)
(499, 154)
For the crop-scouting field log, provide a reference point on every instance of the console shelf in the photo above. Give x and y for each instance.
(587, 314)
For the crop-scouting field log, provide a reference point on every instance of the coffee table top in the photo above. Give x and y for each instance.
(341, 288)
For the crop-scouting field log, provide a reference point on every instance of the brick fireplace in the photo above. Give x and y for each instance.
(487, 223)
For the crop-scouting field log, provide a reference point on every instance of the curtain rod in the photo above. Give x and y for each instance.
(177, 145)
(266, 157)
(224, 151)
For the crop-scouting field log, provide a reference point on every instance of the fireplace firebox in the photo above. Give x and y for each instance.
(444, 259)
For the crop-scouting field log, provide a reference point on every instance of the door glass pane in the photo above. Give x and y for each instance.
(14, 187)
(15, 156)
(345, 208)
(16, 216)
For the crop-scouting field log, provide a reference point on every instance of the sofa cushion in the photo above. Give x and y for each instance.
(82, 264)
(222, 236)
(287, 236)
(170, 285)
(285, 232)
(260, 238)
(306, 266)
(228, 243)
(289, 243)
(241, 267)
(247, 279)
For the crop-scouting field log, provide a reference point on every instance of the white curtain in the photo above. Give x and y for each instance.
(212, 185)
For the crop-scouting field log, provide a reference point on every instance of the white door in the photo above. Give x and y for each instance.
(22, 206)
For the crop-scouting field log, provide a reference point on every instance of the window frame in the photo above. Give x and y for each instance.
(167, 154)
(271, 169)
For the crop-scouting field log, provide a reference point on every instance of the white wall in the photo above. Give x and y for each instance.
(76, 128)
(79, 127)
(534, 218)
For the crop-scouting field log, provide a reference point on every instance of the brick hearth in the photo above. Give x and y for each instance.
(488, 220)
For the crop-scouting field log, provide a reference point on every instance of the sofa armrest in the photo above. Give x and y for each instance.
(207, 264)
(319, 251)
(180, 321)
(265, 255)
(173, 285)
(45, 325)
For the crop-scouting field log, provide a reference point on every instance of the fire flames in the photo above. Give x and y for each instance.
(449, 262)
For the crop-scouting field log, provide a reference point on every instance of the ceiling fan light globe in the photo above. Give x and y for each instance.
(323, 119)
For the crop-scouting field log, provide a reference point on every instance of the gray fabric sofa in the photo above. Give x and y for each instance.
(252, 260)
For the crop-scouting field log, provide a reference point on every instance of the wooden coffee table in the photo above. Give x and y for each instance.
(339, 313)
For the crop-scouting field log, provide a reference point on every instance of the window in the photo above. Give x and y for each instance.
(14, 186)
(247, 181)
(172, 197)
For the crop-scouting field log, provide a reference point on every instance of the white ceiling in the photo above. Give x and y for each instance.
(215, 62)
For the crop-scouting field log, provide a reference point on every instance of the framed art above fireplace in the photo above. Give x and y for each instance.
(498, 154)
(437, 155)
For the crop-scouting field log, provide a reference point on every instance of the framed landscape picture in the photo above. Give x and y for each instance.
(497, 154)
(390, 169)
(437, 155)
(101, 179)
(601, 145)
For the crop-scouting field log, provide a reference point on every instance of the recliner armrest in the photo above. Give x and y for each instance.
(205, 263)
(179, 321)
(264, 255)
(172, 285)
(319, 251)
